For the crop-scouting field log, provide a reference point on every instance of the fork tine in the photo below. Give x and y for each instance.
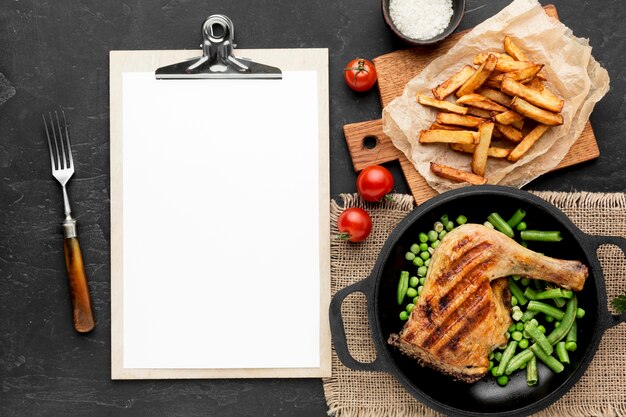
(67, 138)
(63, 153)
(52, 161)
(56, 144)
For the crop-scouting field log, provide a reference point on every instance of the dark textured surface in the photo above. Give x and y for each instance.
(56, 54)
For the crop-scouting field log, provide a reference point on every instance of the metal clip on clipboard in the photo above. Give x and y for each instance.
(217, 60)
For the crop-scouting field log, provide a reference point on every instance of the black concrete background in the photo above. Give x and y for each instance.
(56, 55)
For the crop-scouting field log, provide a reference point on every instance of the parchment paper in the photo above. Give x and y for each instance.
(572, 73)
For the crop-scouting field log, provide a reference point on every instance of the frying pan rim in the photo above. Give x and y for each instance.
(384, 350)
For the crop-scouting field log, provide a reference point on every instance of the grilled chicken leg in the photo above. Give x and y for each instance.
(463, 312)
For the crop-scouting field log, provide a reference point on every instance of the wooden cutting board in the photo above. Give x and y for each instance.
(368, 145)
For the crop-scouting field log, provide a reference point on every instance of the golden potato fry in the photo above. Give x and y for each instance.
(481, 57)
(441, 104)
(513, 50)
(518, 124)
(540, 99)
(509, 132)
(524, 75)
(481, 102)
(533, 112)
(508, 66)
(508, 117)
(453, 83)
(448, 136)
(438, 126)
(479, 159)
(458, 119)
(479, 77)
(495, 95)
(457, 175)
(527, 142)
(495, 81)
(535, 84)
(475, 111)
(493, 152)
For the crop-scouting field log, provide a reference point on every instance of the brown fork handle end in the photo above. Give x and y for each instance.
(79, 291)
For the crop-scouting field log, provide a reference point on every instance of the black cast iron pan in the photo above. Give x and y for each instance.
(484, 397)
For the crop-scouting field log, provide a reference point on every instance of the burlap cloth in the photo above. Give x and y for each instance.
(600, 392)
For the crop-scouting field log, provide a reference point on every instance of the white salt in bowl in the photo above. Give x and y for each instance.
(418, 21)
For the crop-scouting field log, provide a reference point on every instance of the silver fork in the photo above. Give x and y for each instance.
(63, 169)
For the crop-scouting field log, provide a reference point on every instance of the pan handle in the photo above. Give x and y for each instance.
(611, 319)
(338, 330)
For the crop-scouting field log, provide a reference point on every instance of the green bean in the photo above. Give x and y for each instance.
(502, 380)
(568, 320)
(521, 226)
(541, 328)
(517, 361)
(514, 301)
(424, 246)
(559, 302)
(571, 346)
(438, 227)
(523, 365)
(449, 226)
(516, 218)
(415, 248)
(403, 285)
(530, 294)
(442, 234)
(546, 309)
(498, 356)
(435, 244)
(561, 352)
(572, 335)
(554, 293)
(541, 236)
(461, 219)
(409, 256)
(423, 237)
(499, 223)
(517, 292)
(432, 235)
(539, 338)
(414, 281)
(580, 313)
(531, 372)
(488, 224)
(411, 292)
(404, 315)
(444, 219)
(517, 315)
(422, 270)
(524, 244)
(550, 362)
(418, 261)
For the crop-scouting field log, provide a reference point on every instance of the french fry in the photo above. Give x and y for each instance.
(536, 84)
(540, 99)
(533, 112)
(437, 126)
(508, 117)
(475, 111)
(479, 77)
(524, 75)
(457, 175)
(441, 104)
(448, 136)
(479, 159)
(493, 152)
(527, 142)
(481, 57)
(518, 124)
(513, 50)
(509, 132)
(508, 66)
(453, 83)
(458, 119)
(495, 95)
(481, 102)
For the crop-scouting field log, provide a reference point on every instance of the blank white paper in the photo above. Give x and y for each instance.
(221, 222)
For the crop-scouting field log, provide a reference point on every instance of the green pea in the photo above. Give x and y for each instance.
(502, 380)
(461, 219)
(425, 255)
(549, 319)
(423, 247)
(512, 328)
(516, 277)
(432, 235)
(488, 224)
(423, 237)
(519, 326)
(524, 244)
(410, 307)
(521, 226)
(415, 248)
(422, 270)
(523, 344)
(411, 292)
(541, 328)
(525, 282)
(557, 324)
(414, 281)
(422, 280)
(494, 371)
(415, 300)
(409, 256)
(516, 335)
(514, 301)
(449, 226)
(490, 365)
(420, 289)
(427, 262)
(580, 313)
(491, 355)
(404, 315)
(418, 261)
(498, 356)
(435, 244)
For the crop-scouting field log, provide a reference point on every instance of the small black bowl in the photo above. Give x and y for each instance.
(458, 10)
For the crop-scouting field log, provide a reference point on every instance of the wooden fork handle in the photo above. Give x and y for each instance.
(79, 291)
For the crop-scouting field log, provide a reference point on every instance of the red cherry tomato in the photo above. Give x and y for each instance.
(354, 224)
(360, 74)
(374, 183)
